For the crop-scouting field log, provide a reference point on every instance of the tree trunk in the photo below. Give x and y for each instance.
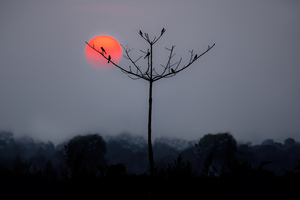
(150, 151)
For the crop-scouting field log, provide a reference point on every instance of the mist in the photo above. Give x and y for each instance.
(221, 129)
(246, 85)
(216, 161)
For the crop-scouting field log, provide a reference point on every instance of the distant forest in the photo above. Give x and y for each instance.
(216, 166)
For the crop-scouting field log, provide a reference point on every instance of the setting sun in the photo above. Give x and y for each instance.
(108, 46)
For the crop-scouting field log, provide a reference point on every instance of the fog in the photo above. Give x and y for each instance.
(132, 151)
(117, 166)
(246, 85)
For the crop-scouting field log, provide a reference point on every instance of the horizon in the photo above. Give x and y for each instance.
(162, 138)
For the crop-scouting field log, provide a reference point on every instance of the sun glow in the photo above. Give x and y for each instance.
(111, 47)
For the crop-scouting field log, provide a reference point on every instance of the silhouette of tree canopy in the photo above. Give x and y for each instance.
(216, 153)
(27, 156)
(85, 155)
(6, 145)
(129, 150)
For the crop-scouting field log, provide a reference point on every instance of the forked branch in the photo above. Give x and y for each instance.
(146, 37)
(137, 75)
(170, 70)
(149, 73)
(135, 71)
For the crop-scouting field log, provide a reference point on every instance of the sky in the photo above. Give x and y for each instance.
(248, 84)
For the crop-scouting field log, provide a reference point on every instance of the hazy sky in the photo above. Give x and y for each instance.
(248, 84)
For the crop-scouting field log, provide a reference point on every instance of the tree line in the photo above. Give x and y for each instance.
(215, 162)
(212, 155)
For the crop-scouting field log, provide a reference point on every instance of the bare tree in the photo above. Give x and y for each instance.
(150, 73)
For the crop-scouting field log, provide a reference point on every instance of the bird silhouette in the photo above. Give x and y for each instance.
(195, 57)
(108, 59)
(103, 50)
(141, 33)
(148, 54)
(173, 71)
(162, 31)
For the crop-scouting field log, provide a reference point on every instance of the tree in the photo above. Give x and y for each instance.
(85, 155)
(216, 153)
(6, 146)
(152, 74)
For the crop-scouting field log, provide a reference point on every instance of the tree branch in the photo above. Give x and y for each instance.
(169, 70)
(152, 75)
(146, 37)
(138, 72)
(122, 69)
(176, 70)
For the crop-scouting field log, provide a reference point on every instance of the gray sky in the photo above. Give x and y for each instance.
(248, 84)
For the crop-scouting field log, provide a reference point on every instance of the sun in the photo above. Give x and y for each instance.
(112, 48)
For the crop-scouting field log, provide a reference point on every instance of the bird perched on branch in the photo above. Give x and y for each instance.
(108, 59)
(173, 71)
(195, 57)
(141, 33)
(148, 54)
(162, 31)
(103, 50)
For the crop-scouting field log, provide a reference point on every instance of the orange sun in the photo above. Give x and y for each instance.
(111, 47)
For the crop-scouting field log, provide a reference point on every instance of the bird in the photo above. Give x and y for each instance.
(173, 71)
(195, 57)
(162, 31)
(108, 59)
(148, 54)
(141, 33)
(103, 50)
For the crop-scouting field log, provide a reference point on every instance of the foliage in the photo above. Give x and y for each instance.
(216, 153)
(177, 180)
(179, 169)
(85, 155)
